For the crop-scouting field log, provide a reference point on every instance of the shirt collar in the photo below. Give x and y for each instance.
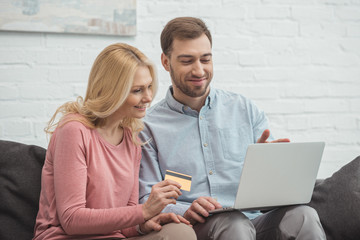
(179, 107)
(210, 98)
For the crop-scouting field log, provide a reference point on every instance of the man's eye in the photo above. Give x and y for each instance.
(205, 60)
(186, 62)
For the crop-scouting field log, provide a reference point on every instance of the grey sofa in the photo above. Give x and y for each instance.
(337, 198)
(20, 183)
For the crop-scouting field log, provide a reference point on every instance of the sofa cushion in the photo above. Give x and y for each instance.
(337, 201)
(20, 184)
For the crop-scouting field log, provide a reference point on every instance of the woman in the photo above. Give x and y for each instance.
(90, 175)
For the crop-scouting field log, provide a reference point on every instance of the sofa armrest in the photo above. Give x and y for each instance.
(337, 201)
(20, 184)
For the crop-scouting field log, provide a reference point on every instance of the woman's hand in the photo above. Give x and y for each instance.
(162, 194)
(155, 223)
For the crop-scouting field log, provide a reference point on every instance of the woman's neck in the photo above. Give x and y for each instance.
(112, 131)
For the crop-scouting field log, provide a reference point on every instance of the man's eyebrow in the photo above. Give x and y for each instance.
(185, 56)
(207, 55)
(191, 56)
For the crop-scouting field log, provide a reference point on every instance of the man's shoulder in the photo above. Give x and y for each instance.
(156, 110)
(225, 96)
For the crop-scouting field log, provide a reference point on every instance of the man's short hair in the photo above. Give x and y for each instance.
(182, 28)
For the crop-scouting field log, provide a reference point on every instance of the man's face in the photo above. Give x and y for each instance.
(190, 66)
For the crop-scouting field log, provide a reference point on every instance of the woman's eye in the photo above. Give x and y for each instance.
(136, 90)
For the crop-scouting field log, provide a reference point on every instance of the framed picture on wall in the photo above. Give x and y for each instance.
(105, 17)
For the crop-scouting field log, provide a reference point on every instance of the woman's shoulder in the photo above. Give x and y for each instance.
(128, 135)
(73, 122)
(70, 130)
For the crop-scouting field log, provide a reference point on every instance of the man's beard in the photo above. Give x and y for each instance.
(196, 91)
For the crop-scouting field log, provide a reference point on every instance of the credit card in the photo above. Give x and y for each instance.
(183, 179)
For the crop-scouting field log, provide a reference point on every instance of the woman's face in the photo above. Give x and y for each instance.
(140, 95)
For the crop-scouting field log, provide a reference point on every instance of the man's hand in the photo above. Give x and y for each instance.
(155, 223)
(265, 135)
(162, 194)
(200, 208)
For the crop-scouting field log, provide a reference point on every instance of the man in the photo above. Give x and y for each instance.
(204, 132)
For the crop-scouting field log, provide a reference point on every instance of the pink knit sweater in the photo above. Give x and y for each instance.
(89, 187)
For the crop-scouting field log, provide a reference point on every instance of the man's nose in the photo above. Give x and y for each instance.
(198, 69)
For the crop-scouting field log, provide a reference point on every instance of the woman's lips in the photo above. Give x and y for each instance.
(141, 108)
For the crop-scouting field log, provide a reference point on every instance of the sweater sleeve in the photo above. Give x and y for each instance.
(134, 199)
(70, 181)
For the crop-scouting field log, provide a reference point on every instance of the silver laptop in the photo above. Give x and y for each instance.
(277, 174)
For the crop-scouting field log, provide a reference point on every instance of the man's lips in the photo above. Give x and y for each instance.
(198, 81)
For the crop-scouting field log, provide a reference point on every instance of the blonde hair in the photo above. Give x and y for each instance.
(109, 85)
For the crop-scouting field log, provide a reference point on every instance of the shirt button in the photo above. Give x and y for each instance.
(205, 144)
(211, 172)
(201, 118)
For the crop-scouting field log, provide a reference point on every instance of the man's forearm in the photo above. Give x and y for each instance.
(179, 208)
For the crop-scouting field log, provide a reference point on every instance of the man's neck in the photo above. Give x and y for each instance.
(195, 103)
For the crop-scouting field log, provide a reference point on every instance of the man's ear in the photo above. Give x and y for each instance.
(165, 61)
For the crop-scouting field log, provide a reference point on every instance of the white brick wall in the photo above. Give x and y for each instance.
(298, 60)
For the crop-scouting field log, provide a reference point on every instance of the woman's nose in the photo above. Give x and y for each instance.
(147, 97)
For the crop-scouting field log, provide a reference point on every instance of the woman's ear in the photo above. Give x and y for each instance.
(165, 61)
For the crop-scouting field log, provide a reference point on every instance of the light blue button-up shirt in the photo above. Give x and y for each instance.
(209, 145)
